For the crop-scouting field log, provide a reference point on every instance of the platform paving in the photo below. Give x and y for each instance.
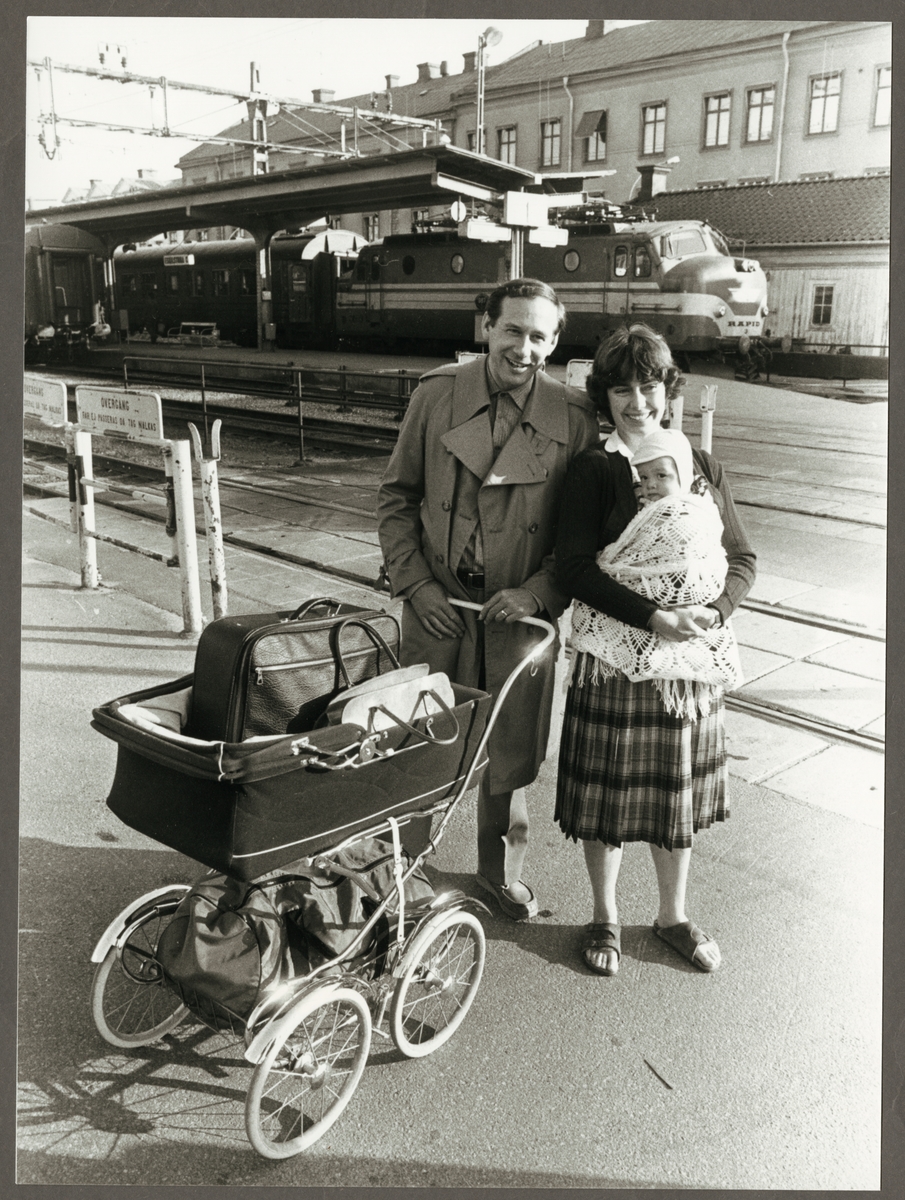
(765, 1075)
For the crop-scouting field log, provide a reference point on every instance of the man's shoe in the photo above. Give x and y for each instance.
(518, 910)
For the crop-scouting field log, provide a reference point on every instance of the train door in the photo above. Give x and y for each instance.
(298, 293)
(71, 292)
(374, 293)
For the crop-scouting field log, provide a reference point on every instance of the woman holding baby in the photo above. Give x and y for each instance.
(642, 756)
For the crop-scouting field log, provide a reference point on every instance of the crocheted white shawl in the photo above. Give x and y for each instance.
(671, 553)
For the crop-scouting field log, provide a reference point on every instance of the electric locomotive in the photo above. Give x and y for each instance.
(676, 276)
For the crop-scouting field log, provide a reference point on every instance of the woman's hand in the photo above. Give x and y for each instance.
(677, 624)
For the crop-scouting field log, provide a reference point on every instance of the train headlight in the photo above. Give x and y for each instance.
(721, 311)
(765, 312)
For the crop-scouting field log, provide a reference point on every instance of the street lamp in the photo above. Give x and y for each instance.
(490, 37)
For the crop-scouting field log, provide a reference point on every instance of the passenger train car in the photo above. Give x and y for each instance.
(64, 288)
(426, 290)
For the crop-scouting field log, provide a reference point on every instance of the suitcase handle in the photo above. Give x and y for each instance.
(376, 638)
(306, 607)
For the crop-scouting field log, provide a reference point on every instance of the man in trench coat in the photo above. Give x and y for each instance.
(468, 508)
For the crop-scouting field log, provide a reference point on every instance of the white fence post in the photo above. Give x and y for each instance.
(676, 412)
(84, 507)
(180, 453)
(210, 495)
(708, 405)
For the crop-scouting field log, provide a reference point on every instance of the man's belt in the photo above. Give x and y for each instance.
(471, 579)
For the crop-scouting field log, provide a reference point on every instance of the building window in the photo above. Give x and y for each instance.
(759, 126)
(822, 313)
(883, 98)
(823, 114)
(716, 120)
(469, 140)
(550, 142)
(653, 118)
(372, 226)
(591, 130)
(506, 144)
(420, 216)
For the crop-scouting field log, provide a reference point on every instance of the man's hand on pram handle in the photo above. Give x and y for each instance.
(434, 611)
(510, 604)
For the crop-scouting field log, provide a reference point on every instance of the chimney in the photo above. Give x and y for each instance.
(444, 69)
(392, 81)
(427, 71)
(323, 95)
(653, 181)
(470, 61)
(595, 29)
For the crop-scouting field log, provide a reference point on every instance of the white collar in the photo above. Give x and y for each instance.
(614, 443)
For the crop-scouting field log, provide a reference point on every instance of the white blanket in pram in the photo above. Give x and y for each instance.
(670, 553)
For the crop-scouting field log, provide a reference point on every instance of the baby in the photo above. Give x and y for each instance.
(672, 553)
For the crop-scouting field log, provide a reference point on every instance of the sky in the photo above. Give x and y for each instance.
(294, 56)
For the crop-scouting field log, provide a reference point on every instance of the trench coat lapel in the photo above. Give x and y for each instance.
(470, 438)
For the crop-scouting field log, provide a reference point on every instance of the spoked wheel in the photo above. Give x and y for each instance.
(130, 1001)
(308, 1075)
(438, 984)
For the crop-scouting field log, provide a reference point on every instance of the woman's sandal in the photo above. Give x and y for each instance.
(603, 936)
(685, 938)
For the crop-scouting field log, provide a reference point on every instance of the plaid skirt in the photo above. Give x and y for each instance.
(629, 771)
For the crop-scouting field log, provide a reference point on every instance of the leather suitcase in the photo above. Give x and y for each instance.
(274, 673)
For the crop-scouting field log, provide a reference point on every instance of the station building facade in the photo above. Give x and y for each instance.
(710, 103)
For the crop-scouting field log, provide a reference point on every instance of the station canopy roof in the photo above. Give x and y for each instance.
(286, 199)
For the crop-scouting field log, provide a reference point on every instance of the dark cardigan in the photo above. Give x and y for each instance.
(599, 501)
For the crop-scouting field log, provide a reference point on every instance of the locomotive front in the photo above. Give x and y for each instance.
(720, 300)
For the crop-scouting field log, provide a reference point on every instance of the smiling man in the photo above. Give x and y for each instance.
(468, 508)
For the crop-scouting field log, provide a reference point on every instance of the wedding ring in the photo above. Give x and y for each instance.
(503, 612)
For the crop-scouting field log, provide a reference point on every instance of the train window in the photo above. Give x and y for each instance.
(682, 243)
(571, 260)
(148, 284)
(299, 279)
(130, 284)
(642, 262)
(173, 279)
(220, 283)
(197, 283)
(408, 264)
(246, 282)
(620, 261)
(457, 264)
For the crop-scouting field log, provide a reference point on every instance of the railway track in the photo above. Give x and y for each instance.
(127, 480)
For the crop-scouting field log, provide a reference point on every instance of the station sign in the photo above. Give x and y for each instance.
(129, 414)
(46, 399)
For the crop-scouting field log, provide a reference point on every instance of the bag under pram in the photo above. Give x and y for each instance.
(230, 941)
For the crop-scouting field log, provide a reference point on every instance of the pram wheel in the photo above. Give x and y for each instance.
(440, 977)
(130, 1000)
(309, 1072)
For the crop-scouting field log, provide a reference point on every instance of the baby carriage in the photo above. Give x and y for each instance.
(280, 815)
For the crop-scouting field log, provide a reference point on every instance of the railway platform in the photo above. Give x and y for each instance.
(765, 1075)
